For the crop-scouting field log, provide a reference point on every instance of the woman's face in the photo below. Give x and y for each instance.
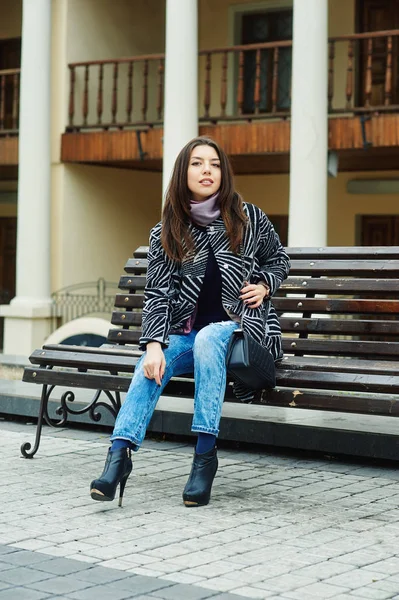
(203, 176)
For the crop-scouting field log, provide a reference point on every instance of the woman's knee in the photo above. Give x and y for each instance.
(213, 338)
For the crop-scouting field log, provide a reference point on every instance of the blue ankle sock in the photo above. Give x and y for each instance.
(119, 443)
(205, 442)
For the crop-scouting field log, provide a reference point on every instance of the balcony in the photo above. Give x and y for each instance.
(9, 120)
(116, 106)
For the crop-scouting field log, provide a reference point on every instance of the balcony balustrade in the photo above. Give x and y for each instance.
(237, 83)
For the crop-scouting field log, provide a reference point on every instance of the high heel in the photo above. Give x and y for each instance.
(122, 488)
(117, 469)
(198, 487)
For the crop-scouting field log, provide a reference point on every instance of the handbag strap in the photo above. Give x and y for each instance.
(248, 277)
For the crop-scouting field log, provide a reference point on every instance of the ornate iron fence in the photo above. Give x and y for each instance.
(74, 301)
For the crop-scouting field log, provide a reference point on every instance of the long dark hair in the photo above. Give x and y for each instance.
(175, 237)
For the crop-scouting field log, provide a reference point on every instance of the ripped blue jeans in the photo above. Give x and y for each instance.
(202, 352)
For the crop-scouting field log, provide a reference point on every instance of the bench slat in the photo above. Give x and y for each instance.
(351, 268)
(361, 382)
(136, 266)
(126, 318)
(129, 300)
(343, 252)
(339, 326)
(101, 362)
(338, 286)
(389, 350)
(339, 306)
(104, 349)
(132, 282)
(124, 336)
(340, 364)
(356, 402)
(92, 381)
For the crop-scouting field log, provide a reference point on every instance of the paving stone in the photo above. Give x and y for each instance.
(20, 593)
(324, 570)
(188, 592)
(220, 584)
(319, 590)
(355, 579)
(285, 583)
(105, 592)
(60, 585)
(23, 558)
(23, 576)
(362, 558)
(61, 566)
(373, 593)
(251, 592)
(390, 565)
(228, 596)
(99, 575)
(181, 577)
(7, 550)
(141, 584)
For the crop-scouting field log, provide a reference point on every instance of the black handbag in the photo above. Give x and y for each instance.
(247, 361)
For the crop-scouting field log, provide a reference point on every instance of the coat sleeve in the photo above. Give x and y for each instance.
(158, 293)
(273, 260)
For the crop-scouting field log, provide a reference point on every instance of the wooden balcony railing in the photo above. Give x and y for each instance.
(238, 83)
(9, 101)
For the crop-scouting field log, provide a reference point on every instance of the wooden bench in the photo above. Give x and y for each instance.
(339, 312)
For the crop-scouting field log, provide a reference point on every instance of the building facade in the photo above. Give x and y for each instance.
(98, 96)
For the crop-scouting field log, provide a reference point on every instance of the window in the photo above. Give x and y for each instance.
(379, 230)
(261, 27)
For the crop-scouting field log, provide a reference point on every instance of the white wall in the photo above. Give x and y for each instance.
(104, 216)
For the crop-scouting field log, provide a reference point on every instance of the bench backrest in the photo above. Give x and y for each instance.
(337, 301)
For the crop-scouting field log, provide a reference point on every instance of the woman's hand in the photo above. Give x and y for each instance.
(154, 362)
(253, 294)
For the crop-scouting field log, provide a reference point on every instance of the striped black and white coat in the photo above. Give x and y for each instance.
(172, 289)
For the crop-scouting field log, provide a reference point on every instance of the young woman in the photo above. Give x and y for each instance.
(195, 296)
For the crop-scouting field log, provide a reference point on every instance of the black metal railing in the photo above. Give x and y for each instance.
(83, 299)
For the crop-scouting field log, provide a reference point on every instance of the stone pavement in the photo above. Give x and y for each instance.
(278, 526)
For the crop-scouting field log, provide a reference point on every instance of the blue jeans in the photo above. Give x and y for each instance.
(202, 352)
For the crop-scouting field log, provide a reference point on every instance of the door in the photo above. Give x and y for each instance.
(378, 15)
(268, 26)
(380, 230)
(8, 247)
(280, 224)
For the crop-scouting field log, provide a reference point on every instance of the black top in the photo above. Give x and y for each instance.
(209, 307)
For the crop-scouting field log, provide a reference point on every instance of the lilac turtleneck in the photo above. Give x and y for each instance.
(205, 211)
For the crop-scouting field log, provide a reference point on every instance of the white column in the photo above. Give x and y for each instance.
(181, 81)
(309, 125)
(27, 317)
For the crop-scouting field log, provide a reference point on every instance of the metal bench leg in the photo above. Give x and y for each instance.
(46, 392)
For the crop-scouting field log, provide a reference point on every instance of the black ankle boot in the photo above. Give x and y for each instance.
(198, 487)
(117, 469)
